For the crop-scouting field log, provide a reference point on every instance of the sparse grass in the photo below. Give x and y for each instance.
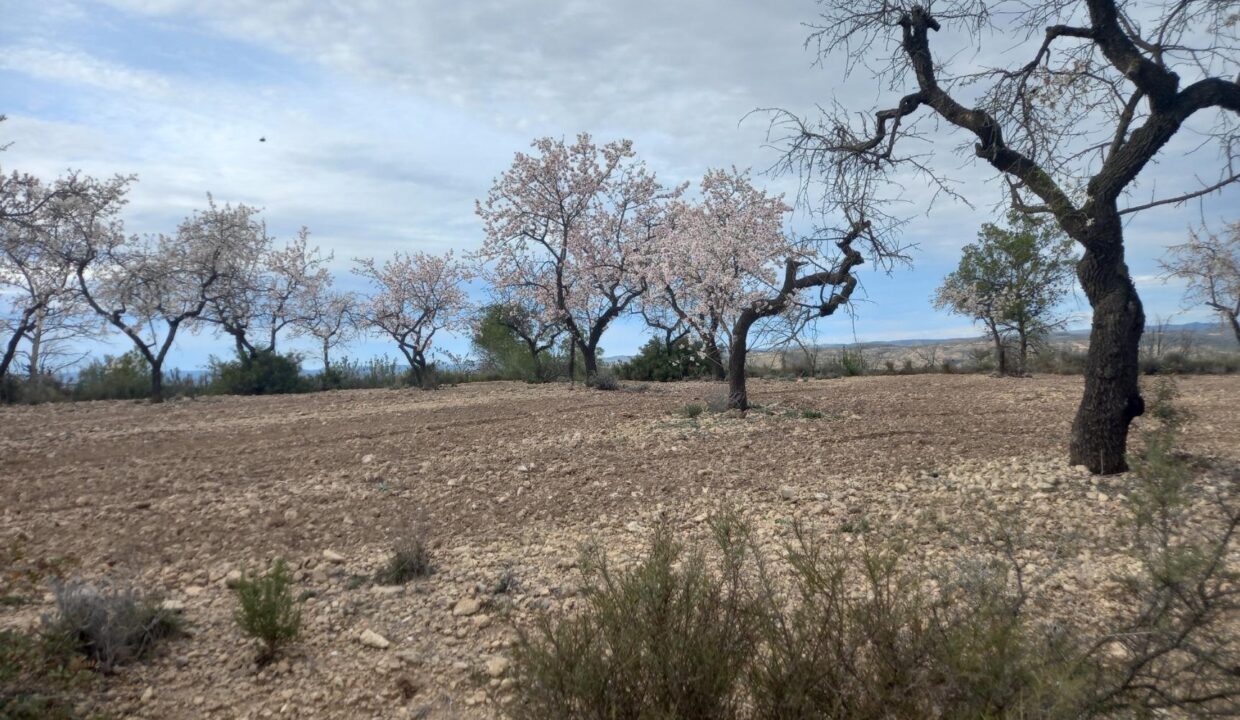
(410, 559)
(40, 677)
(268, 611)
(507, 582)
(812, 415)
(109, 624)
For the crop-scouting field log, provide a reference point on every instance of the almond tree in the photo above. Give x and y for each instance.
(416, 296)
(1211, 265)
(270, 291)
(1069, 130)
(36, 278)
(150, 287)
(566, 228)
(715, 257)
(330, 318)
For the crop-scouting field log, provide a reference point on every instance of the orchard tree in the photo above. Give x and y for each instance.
(416, 296)
(1210, 264)
(813, 283)
(151, 287)
(713, 258)
(330, 317)
(567, 227)
(271, 290)
(36, 277)
(1012, 281)
(1069, 130)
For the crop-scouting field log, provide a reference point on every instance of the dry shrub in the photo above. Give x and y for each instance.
(410, 558)
(110, 624)
(816, 632)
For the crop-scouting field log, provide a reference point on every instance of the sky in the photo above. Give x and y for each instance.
(384, 121)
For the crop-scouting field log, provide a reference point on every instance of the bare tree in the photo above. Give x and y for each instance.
(1069, 132)
(416, 296)
(150, 287)
(1210, 264)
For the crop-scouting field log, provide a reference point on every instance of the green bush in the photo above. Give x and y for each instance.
(604, 380)
(124, 377)
(691, 410)
(268, 611)
(655, 362)
(264, 373)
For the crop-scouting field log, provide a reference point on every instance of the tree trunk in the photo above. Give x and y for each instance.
(572, 363)
(714, 358)
(1112, 395)
(1235, 325)
(1024, 350)
(589, 358)
(10, 351)
(36, 345)
(1000, 353)
(738, 394)
(157, 382)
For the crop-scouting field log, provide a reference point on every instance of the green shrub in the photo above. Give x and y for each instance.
(604, 380)
(267, 610)
(656, 362)
(690, 410)
(109, 624)
(811, 414)
(124, 377)
(264, 373)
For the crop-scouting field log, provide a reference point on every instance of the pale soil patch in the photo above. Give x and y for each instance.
(175, 496)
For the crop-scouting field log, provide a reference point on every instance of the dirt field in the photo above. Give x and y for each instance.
(174, 497)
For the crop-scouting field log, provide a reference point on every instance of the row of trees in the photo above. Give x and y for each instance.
(576, 235)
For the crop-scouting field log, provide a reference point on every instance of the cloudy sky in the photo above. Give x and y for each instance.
(385, 120)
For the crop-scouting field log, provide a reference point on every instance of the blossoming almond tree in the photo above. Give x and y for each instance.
(330, 318)
(36, 278)
(1210, 265)
(567, 227)
(417, 295)
(712, 258)
(150, 287)
(272, 290)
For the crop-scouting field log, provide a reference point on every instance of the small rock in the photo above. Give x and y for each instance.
(290, 515)
(147, 694)
(466, 607)
(232, 579)
(370, 638)
(174, 606)
(497, 666)
(787, 493)
(368, 459)
(333, 556)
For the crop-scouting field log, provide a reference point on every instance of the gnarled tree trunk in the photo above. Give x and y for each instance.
(1112, 395)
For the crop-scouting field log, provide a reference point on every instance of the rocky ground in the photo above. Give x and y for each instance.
(178, 498)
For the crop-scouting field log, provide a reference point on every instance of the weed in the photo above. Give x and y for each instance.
(410, 559)
(268, 611)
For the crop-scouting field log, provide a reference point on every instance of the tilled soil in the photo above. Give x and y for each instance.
(513, 478)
